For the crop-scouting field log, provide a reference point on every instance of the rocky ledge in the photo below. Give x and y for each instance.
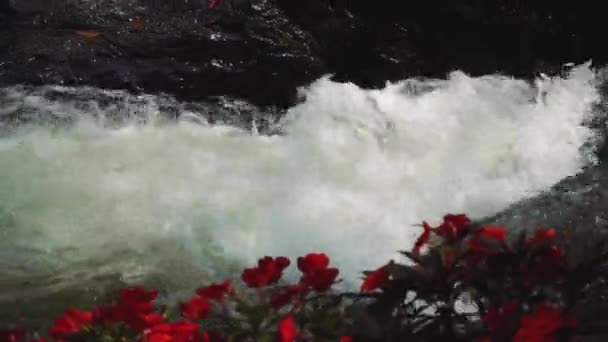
(262, 50)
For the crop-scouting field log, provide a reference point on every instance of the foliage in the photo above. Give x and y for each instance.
(460, 282)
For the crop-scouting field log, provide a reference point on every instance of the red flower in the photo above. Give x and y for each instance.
(541, 325)
(423, 238)
(142, 322)
(498, 321)
(312, 262)
(375, 279)
(346, 339)
(484, 241)
(546, 260)
(173, 332)
(453, 226)
(196, 308)
(542, 235)
(158, 336)
(107, 315)
(286, 295)
(274, 267)
(216, 292)
(137, 299)
(451, 229)
(135, 306)
(545, 266)
(12, 335)
(253, 277)
(71, 322)
(320, 280)
(268, 271)
(492, 232)
(287, 329)
(315, 272)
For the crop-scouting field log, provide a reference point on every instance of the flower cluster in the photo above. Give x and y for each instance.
(463, 282)
(270, 313)
(472, 284)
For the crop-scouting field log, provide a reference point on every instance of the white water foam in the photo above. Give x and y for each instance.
(352, 173)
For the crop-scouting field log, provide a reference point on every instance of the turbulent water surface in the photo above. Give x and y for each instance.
(86, 198)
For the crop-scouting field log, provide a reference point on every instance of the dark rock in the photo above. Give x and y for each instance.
(431, 38)
(191, 54)
(261, 50)
(5, 6)
(120, 107)
(577, 202)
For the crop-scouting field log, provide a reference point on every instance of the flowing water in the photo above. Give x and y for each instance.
(87, 200)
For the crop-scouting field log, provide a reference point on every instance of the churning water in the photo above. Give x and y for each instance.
(350, 174)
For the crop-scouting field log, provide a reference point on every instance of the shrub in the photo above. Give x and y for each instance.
(460, 282)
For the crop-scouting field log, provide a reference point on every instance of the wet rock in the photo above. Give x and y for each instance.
(192, 54)
(578, 202)
(21, 105)
(432, 38)
(262, 50)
